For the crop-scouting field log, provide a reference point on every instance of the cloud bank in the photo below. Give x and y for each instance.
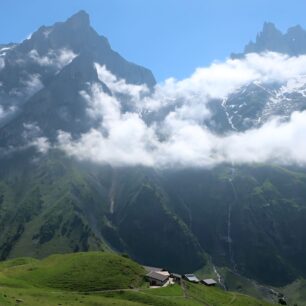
(4, 113)
(57, 59)
(177, 136)
(2, 63)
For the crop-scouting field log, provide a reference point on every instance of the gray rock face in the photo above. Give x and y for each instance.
(256, 103)
(42, 77)
(293, 42)
(77, 35)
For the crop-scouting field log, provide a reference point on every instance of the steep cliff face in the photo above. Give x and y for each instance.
(42, 77)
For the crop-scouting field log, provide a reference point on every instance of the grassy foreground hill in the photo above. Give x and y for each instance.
(92, 271)
(98, 278)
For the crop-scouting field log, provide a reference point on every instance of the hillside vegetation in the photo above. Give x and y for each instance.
(92, 271)
(98, 278)
(249, 218)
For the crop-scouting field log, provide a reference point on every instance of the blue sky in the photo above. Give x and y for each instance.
(171, 37)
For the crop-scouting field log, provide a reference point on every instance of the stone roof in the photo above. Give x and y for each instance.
(191, 278)
(157, 276)
(209, 281)
(155, 269)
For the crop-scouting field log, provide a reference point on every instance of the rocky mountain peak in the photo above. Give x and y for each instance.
(269, 39)
(293, 42)
(79, 20)
(270, 28)
(296, 30)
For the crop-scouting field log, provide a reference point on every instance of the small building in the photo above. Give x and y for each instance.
(176, 277)
(191, 278)
(164, 272)
(209, 282)
(157, 279)
(153, 269)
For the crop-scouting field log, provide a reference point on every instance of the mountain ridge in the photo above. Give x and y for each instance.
(293, 42)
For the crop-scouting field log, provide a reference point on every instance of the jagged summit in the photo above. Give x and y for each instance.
(293, 42)
(74, 36)
(79, 20)
(75, 33)
(269, 29)
(42, 77)
(295, 29)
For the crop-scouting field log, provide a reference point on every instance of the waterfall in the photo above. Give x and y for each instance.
(219, 277)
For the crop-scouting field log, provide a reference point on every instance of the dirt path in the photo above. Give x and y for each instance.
(186, 295)
(183, 285)
(233, 299)
(94, 292)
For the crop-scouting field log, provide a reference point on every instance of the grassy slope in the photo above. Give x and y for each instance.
(296, 292)
(267, 218)
(94, 278)
(58, 205)
(217, 297)
(194, 295)
(79, 272)
(47, 209)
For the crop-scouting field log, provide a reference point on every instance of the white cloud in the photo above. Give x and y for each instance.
(2, 63)
(275, 142)
(220, 79)
(127, 141)
(119, 86)
(4, 113)
(42, 144)
(179, 137)
(29, 36)
(58, 59)
(32, 84)
(283, 142)
(32, 134)
(31, 130)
